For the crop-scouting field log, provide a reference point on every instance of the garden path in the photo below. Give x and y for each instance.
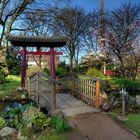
(98, 126)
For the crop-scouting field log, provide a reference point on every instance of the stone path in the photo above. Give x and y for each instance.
(92, 124)
(70, 106)
(98, 126)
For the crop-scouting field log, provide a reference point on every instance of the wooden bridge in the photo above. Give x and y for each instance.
(72, 94)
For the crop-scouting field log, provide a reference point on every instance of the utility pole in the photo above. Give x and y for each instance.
(102, 31)
(102, 22)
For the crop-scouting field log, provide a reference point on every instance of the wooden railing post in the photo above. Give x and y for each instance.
(37, 88)
(53, 96)
(97, 104)
(29, 87)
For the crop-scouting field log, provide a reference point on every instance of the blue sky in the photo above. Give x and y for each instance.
(95, 4)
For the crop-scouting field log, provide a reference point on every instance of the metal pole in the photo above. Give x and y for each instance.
(102, 21)
(103, 30)
(123, 105)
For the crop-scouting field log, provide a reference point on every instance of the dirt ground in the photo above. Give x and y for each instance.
(98, 126)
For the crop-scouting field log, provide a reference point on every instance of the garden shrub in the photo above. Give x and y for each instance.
(3, 69)
(95, 72)
(33, 69)
(40, 121)
(13, 61)
(2, 123)
(14, 122)
(3, 72)
(13, 116)
(80, 69)
(60, 124)
(60, 71)
(2, 78)
(132, 87)
(47, 71)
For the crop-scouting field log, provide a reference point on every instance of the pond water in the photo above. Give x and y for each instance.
(5, 106)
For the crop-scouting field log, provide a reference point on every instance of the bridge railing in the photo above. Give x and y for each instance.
(83, 87)
(41, 89)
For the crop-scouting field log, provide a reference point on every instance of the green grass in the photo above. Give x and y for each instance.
(12, 82)
(113, 116)
(132, 124)
(54, 137)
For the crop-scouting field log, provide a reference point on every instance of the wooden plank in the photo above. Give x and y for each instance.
(44, 75)
(37, 86)
(44, 80)
(45, 83)
(90, 93)
(53, 97)
(32, 80)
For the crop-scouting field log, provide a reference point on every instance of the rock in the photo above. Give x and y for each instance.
(20, 137)
(71, 124)
(29, 113)
(6, 131)
(6, 98)
(57, 113)
(122, 118)
(23, 96)
(19, 89)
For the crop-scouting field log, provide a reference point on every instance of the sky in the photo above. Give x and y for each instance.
(95, 4)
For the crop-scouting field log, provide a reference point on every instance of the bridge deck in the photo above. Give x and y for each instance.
(70, 106)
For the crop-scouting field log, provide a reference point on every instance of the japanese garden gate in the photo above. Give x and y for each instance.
(43, 88)
(38, 42)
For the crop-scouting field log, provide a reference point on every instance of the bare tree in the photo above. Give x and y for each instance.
(38, 20)
(71, 22)
(123, 28)
(9, 12)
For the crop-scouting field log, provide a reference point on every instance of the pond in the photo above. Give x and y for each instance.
(6, 105)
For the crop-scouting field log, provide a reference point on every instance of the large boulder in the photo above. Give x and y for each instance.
(6, 131)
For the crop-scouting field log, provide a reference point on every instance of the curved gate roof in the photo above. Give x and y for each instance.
(35, 41)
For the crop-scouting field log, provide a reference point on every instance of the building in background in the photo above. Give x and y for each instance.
(34, 60)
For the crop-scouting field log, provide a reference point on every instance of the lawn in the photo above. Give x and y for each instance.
(54, 137)
(133, 122)
(12, 82)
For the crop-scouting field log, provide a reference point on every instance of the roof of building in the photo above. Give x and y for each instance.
(35, 41)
